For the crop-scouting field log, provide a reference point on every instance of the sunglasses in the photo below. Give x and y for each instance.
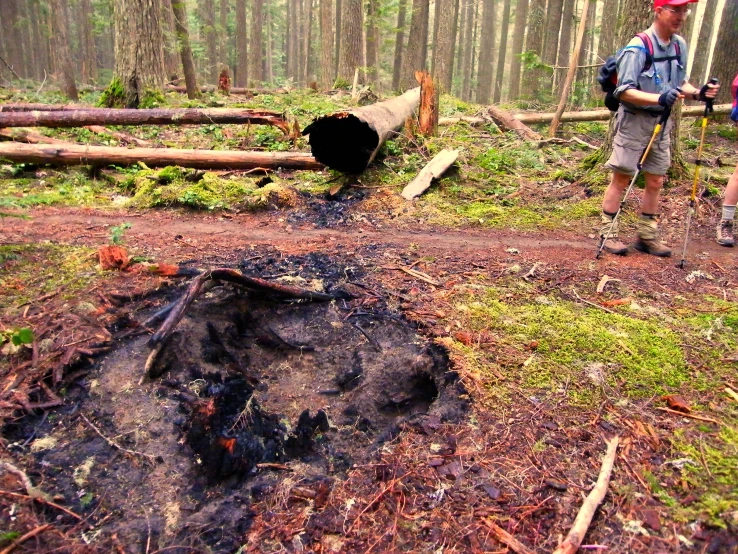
(681, 11)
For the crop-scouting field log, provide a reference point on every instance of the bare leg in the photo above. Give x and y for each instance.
(731, 191)
(650, 203)
(614, 192)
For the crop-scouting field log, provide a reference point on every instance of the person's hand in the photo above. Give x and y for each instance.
(668, 97)
(708, 91)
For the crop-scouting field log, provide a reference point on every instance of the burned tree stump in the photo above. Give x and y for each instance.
(349, 141)
(428, 115)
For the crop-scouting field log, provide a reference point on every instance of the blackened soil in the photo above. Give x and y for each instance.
(250, 395)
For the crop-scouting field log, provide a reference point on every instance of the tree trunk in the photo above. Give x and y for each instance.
(399, 45)
(349, 141)
(339, 14)
(241, 65)
(553, 24)
(11, 50)
(269, 62)
(725, 58)
(351, 40)
(326, 44)
(98, 116)
(702, 52)
(169, 32)
(372, 41)
(562, 60)
(606, 46)
(179, 11)
(138, 75)
(40, 41)
(413, 60)
(309, 60)
(534, 44)
(207, 13)
(60, 40)
(466, 57)
(255, 77)
(429, 103)
(87, 41)
(301, 33)
(521, 16)
(74, 154)
(454, 40)
(501, 52)
(425, 20)
(486, 53)
(223, 35)
(583, 73)
(459, 47)
(294, 53)
(443, 53)
(26, 43)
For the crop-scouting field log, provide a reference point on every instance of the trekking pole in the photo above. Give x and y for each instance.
(656, 131)
(697, 164)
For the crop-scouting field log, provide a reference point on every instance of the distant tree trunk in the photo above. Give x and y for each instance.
(413, 60)
(179, 11)
(294, 54)
(702, 52)
(562, 60)
(60, 40)
(351, 40)
(425, 19)
(606, 46)
(11, 40)
(466, 56)
(475, 41)
(553, 24)
(372, 40)
(534, 43)
(222, 31)
(39, 40)
(501, 52)
(725, 58)
(459, 48)
(207, 12)
(241, 65)
(454, 40)
(326, 44)
(171, 59)
(268, 60)
(339, 12)
(521, 16)
(583, 73)
(86, 41)
(399, 44)
(443, 53)
(486, 53)
(139, 52)
(255, 76)
(24, 29)
(309, 61)
(301, 33)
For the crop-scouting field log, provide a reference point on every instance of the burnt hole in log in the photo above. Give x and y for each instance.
(342, 142)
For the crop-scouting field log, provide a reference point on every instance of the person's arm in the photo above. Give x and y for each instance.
(640, 98)
(693, 93)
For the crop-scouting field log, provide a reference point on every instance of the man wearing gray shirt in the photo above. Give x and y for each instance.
(647, 85)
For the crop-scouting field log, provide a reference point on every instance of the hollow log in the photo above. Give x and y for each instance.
(74, 154)
(531, 118)
(349, 141)
(19, 134)
(84, 117)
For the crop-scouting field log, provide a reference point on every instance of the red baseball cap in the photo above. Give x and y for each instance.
(662, 3)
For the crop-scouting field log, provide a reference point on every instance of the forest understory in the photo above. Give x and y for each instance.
(459, 364)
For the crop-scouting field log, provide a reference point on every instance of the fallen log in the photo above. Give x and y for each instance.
(349, 141)
(75, 154)
(43, 107)
(574, 538)
(108, 116)
(568, 117)
(20, 134)
(233, 90)
(506, 120)
(433, 170)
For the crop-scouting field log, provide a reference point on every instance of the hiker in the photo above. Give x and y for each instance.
(725, 227)
(651, 78)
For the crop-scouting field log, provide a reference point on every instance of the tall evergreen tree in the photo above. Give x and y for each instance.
(443, 53)
(351, 40)
(60, 40)
(326, 44)
(399, 44)
(565, 43)
(241, 66)
(486, 53)
(501, 52)
(467, 63)
(413, 59)
(534, 44)
(521, 16)
(255, 75)
(725, 58)
(179, 11)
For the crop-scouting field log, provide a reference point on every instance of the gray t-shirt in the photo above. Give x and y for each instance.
(660, 76)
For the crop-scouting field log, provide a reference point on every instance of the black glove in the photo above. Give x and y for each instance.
(702, 95)
(668, 97)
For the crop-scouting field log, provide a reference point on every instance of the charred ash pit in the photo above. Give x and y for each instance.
(262, 383)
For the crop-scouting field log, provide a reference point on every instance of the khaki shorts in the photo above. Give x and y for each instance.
(633, 130)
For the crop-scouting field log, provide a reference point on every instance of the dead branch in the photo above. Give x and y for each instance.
(47, 502)
(433, 170)
(33, 492)
(506, 120)
(573, 540)
(148, 457)
(556, 140)
(690, 416)
(506, 538)
(32, 533)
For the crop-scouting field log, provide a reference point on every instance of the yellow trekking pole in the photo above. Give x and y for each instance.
(656, 130)
(697, 163)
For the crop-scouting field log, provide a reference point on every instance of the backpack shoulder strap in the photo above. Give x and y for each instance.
(648, 45)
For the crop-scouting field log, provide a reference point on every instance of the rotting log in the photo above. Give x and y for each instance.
(20, 134)
(428, 111)
(348, 141)
(531, 118)
(433, 170)
(75, 154)
(233, 90)
(43, 107)
(189, 116)
(506, 120)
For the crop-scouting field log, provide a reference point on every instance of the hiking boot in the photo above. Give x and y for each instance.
(725, 233)
(609, 233)
(653, 247)
(615, 246)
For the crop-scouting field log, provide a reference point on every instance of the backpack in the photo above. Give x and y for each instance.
(608, 72)
(734, 113)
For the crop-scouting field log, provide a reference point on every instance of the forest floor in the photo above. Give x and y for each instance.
(474, 361)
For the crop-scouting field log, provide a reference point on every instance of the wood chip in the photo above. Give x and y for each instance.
(603, 283)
